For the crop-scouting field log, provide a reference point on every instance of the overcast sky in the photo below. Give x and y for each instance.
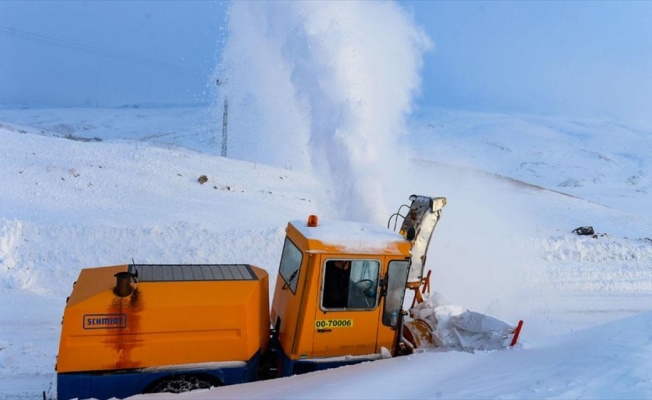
(570, 58)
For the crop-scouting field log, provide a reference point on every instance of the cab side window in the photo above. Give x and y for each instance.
(290, 265)
(350, 284)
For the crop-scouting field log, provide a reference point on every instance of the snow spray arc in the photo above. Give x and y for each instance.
(325, 85)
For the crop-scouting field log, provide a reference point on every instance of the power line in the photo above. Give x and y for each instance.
(97, 51)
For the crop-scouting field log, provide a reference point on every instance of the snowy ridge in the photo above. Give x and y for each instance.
(575, 156)
(187, 127)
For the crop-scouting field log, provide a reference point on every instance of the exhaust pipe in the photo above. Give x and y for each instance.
(123, 284)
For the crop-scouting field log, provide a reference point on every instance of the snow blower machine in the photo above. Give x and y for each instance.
(338, 300)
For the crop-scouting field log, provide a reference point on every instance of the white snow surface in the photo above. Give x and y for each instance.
(504, 246)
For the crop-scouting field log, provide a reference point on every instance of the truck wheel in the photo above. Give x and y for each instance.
(182, 383)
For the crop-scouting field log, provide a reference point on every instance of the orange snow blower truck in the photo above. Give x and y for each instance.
(338, 300)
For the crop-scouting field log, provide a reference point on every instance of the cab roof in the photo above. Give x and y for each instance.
(350, 237)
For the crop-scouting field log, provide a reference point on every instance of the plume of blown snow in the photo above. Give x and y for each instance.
(327, 86)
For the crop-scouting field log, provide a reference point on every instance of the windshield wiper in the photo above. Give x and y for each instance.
(292, 276)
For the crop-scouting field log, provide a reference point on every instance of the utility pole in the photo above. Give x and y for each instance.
(225, 120)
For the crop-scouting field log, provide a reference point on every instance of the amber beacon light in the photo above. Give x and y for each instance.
(312, 221)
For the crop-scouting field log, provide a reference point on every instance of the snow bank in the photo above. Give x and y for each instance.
(607, 265)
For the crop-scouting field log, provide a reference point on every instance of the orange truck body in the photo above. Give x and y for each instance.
(213, 322)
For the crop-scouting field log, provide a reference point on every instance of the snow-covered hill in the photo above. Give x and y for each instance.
(504, 245)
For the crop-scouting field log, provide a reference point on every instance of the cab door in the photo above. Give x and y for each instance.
(347, 316)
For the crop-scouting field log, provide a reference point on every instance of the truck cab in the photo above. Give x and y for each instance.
(338, 295)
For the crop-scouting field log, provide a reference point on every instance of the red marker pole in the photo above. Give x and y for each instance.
(517, 332)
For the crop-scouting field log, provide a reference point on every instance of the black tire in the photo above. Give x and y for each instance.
(182, 383)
